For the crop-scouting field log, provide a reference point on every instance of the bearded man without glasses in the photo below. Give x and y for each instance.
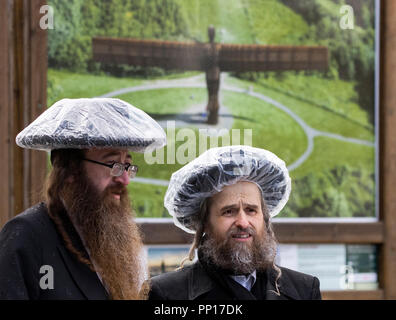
(227, 198)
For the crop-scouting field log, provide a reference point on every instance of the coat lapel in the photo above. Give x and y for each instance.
(86, 280)
(198, 282)
(286, 290)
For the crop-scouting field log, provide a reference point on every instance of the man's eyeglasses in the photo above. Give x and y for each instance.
(117, 169)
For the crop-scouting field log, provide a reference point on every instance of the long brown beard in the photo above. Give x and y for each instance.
(239, 258)
(111, 236)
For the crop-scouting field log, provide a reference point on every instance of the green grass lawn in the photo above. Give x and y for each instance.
(313, 88)
(71, 85)
(337, 180)
(329, 153)
(74, 85)
(148, 200)
(314, 116)
(272, 129)
(169, 100)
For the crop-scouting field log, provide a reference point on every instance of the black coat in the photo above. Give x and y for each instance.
(30, 241)
(194, 283)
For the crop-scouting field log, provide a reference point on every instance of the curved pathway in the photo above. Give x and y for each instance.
(199, 82)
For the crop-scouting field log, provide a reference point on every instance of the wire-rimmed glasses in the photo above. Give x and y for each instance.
(117, 169)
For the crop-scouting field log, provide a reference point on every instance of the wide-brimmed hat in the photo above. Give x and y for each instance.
(218, 167)
(92, 123)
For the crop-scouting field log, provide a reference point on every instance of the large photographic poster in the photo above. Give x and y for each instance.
(322, 123)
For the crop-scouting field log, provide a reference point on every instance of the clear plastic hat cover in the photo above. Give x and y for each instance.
(218, 167)
(93, 122)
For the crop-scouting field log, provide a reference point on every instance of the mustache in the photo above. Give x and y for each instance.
(238, 230)
(117, 188)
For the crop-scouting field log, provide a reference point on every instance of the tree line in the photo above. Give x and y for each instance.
(77, 21)
(351, 50)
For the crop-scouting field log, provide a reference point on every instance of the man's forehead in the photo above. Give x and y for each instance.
(109, 152)
(248, 192)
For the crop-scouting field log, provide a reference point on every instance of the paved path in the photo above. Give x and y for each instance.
(311, 133)
(194, 116)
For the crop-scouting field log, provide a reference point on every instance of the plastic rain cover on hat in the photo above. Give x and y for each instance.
(218, 167)
(93, 123)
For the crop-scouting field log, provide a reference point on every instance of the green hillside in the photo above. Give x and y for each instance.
(243, 21)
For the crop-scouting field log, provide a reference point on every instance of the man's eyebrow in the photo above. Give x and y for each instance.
(250, 205)
(115, 153)
(236, 205)
(230, 206)
(110, 154)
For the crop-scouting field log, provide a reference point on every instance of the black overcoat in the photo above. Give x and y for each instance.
(194, 283)
(30, 241)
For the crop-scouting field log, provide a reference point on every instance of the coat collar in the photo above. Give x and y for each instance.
(201, 283)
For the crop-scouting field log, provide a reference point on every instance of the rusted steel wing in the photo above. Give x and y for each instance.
(198, 56)
(272, 58)
(150, 53)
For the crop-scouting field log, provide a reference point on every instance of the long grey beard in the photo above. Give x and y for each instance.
(240, 258)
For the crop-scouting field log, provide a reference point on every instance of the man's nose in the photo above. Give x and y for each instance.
(242, 220)
(123, 179)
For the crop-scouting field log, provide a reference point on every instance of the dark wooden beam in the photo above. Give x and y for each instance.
(164, 232)
(6, 41)
(286, 232)
(353, 295)
(329, 232)
(20, 93)
(37, 103)
(23, 95)
(387, 262)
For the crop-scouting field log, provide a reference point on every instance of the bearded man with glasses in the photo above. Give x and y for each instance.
(82, 241)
